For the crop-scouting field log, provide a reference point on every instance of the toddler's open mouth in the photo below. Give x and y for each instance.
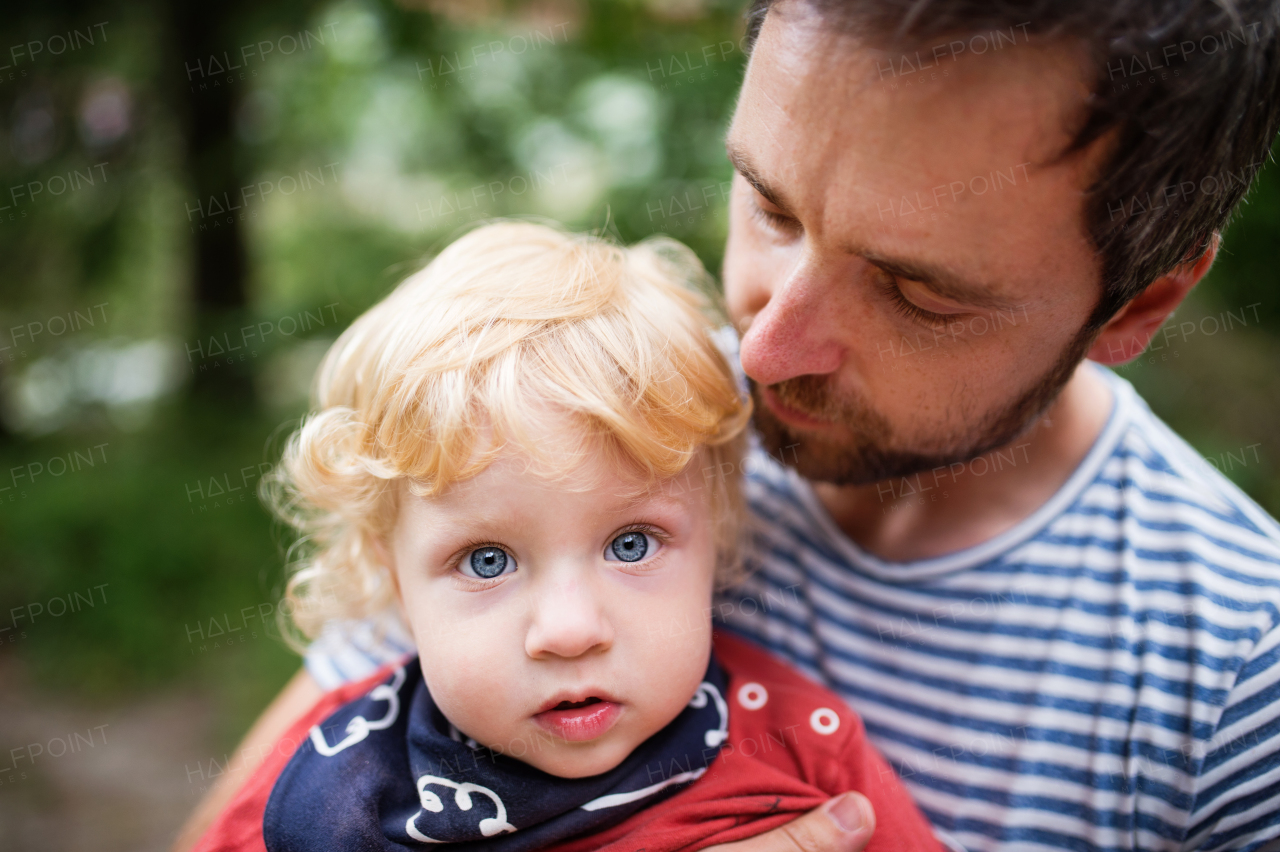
(581, 720)
(574, 705)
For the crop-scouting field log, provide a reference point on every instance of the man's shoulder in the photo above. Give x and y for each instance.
(353, 650)
(747, 663)
(1168, 492)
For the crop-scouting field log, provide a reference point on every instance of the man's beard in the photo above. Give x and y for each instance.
(865, 452)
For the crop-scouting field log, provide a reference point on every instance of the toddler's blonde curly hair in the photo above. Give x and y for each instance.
(510, 330)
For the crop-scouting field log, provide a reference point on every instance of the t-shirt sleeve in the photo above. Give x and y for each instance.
(348, 651)
(1237, 802)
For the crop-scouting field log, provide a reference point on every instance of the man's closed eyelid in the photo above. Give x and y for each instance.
(926, 298)
(768, 206)
(774, 219)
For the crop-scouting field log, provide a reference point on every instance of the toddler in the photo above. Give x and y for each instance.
(530, 453)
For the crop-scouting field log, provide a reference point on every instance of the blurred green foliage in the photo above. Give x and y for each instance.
(383, 131)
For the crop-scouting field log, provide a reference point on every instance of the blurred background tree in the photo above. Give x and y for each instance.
(196, 198)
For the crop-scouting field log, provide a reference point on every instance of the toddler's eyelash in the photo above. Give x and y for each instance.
(455, 563)
(651, 560)
(641, 526)
(466, 549)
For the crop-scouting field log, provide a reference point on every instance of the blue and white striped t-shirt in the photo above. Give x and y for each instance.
(1103, 676)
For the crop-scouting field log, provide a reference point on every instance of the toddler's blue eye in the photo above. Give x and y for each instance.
(629, 547)
(489, 562)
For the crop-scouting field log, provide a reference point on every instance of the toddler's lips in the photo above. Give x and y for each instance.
(580, 721)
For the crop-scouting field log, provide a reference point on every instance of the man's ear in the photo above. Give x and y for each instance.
(1127, 333)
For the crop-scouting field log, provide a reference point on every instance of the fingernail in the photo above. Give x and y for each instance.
(848, 813)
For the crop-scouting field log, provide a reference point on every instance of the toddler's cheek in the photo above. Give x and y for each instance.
(672, 669)
(472, 696)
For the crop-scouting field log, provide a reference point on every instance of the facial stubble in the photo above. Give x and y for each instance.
(865, 449)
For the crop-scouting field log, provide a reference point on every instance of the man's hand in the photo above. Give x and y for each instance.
(843, 824)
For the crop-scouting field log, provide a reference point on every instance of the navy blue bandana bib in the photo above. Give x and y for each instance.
(389, 772)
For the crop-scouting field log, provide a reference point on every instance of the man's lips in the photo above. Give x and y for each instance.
(787, 414)
(579, 720)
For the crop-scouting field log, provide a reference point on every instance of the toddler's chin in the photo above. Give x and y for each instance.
(579, 760)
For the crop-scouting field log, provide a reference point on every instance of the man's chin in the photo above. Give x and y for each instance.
(861, 452)
(854, 454)
(858, 461)
(821, 459)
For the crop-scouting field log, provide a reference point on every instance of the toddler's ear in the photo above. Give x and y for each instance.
(383, 553)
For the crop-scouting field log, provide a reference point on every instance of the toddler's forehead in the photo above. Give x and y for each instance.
(594, 467)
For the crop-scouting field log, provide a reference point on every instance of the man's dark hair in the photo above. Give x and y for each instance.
(1188, 87)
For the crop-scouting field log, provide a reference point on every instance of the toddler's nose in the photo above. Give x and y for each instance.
(567, 622)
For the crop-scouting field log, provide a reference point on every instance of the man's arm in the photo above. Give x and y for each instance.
(843, 824)
(1237, 800)
(298, 696)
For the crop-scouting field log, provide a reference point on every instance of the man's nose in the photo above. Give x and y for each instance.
(568, 621)
(795, 331)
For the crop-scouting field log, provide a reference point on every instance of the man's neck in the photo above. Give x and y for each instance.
(949, 509)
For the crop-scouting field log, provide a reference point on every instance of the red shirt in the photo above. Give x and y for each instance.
(792, 745)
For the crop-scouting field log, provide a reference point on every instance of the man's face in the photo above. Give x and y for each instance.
(907, 256)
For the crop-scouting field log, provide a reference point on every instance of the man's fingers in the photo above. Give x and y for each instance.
(843, 824)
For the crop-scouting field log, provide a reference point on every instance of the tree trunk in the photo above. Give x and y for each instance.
(205, 106)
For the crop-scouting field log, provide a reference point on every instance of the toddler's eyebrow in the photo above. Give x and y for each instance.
(663, 493)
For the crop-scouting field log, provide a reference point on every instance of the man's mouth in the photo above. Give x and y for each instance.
(787, 414)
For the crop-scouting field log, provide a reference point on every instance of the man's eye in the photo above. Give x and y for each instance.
(907, 308)
(486, 563)
(776, 221)
(630, 547)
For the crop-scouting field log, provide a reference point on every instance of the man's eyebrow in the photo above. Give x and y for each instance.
(940, 280)
(752, 175)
